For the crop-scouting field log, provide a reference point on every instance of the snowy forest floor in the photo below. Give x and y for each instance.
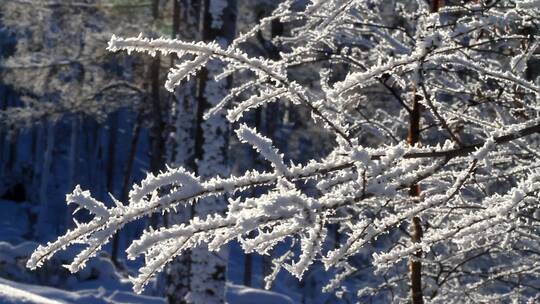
(100, 283)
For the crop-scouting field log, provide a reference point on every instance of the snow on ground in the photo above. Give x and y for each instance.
(19, 293)
(238, 294)
(15, 293)
(98, 283)
(9, 294)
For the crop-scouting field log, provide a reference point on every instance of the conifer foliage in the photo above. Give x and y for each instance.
(468, 65)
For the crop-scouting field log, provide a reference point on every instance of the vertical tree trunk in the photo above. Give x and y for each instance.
(37, 160)
(269, 117)
(126, 183)
(3, 135)
(415, 266)
(72, 157)
(95, 145)
(111, 152)
(157, 129)
(44, 217)
(6, 136)
(13, 140)
(72, 163)
(209, 269)
(266, 260)
(413, 137)
(248, 269)
(111, 159)
(101, 182)
(182, 143)
(158, 124)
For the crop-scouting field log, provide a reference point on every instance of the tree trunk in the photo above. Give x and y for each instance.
(181, 145)
(37, 160)
(126, 183)
(44, 217)
(72, 164)
(269, 117)
(3, 135)
(13, 140)
(413, 137)
(111, 152)
(209, 269)
(157, 130)
(415, 266)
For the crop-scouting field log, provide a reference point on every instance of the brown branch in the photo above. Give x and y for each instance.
(473, 147)
(413, 137)
(415, 265)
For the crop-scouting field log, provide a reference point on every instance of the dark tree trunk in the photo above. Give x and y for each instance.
(415, 266)
(413, 137)
(126, 183)
(157, 131)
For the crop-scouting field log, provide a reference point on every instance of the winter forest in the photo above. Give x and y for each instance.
(269, 151)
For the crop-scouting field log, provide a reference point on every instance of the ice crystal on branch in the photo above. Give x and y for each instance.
(467, 68)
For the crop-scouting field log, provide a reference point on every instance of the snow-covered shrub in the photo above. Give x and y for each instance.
(455, 76)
